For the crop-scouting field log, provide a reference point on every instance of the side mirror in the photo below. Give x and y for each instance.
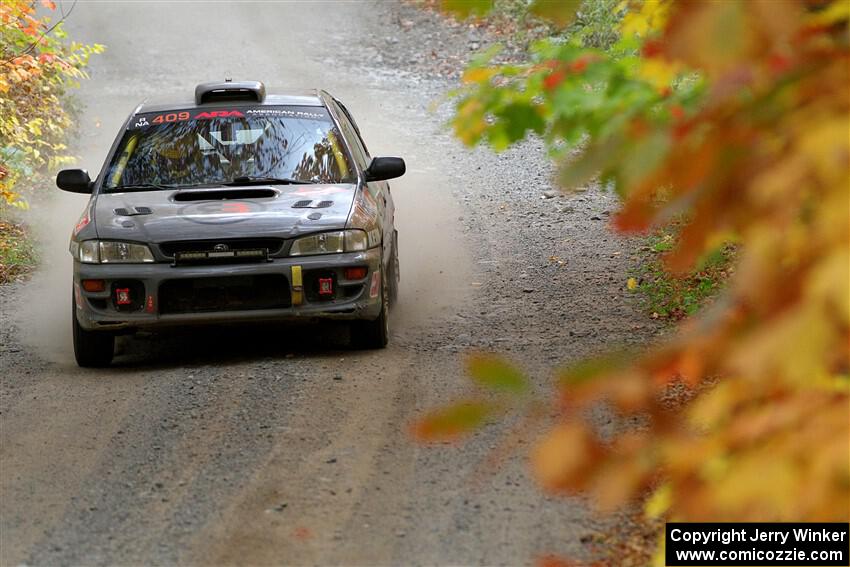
(383, 168)
(74, 181)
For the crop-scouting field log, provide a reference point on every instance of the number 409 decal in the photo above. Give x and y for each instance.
(180, 116)
(142, 120)
(171, 117)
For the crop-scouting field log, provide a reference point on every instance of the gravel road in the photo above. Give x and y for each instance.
(279, 445)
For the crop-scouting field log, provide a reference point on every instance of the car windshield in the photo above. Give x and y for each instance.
(284, 144)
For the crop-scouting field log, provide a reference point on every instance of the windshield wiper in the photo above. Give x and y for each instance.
(141, 187)
(248, 180)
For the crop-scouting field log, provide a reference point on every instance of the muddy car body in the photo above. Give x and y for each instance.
(237, 205)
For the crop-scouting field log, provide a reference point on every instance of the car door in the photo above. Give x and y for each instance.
(379, 191)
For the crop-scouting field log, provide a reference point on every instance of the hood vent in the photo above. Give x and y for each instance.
(308, 204)
(132, 211)
(225, 194)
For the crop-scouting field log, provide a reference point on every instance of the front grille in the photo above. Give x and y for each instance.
(273, 245)
(229, 293)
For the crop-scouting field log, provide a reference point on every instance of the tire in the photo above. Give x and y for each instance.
(92, 349)
(393, 274)
(376, 333)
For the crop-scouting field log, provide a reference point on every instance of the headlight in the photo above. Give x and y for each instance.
(88, 252)
(109, 252)
(330, 243)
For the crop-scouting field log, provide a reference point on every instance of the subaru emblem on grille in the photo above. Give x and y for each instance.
(221, 248)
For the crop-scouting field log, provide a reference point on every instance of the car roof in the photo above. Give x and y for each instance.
(274, 97)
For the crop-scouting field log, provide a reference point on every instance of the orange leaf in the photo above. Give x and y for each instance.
(451, 422)
(563, 459)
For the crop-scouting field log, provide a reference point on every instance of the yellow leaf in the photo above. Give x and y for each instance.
(659, 502)
(838, 11)
(479, 75)
(651, 17)
(634, 23)
(658, 72)
(466, 8)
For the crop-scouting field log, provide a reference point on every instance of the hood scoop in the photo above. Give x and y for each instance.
(224, 194)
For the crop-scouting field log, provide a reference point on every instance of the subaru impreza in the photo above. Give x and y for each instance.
(235, 205)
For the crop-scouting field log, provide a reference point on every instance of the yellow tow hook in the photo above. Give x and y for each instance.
(297, 286)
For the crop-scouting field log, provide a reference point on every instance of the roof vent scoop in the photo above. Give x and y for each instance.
(228, 90)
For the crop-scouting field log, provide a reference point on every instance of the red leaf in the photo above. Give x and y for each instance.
(554, 79)
(651, 48)
(779, 63)
(581, 62)
(677, 112)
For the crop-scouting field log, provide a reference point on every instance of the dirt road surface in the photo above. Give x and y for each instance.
(269, 445)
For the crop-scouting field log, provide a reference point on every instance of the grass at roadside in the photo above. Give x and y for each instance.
(670, 297)
(18, 255)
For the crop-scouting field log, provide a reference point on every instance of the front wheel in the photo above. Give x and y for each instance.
(92, 349)
(376, 333)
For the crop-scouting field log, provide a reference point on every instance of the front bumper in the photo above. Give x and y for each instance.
(162, 295)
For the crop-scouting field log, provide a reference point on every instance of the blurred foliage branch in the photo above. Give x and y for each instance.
(37, 66)
(733, 115)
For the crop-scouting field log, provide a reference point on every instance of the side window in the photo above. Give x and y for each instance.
(358, 149)
(359, 139)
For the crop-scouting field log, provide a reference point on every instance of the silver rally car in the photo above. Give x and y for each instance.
(237, 205)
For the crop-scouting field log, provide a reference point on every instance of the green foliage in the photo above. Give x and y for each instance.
(596, 23)
(18, 255)
(674, 296)
(568, 93)
(590, 368)
(496, 373)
